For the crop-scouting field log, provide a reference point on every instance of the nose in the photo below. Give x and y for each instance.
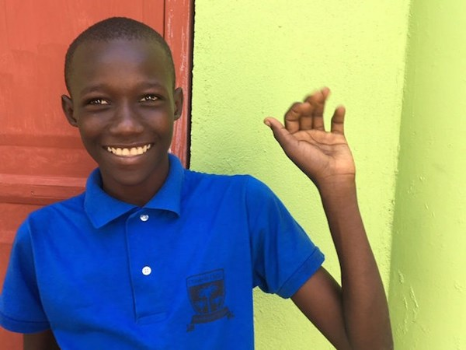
(126, 120)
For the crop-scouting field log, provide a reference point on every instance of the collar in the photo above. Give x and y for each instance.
(101, 208)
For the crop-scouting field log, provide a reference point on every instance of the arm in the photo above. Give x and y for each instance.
(355, 315)
(40, 341)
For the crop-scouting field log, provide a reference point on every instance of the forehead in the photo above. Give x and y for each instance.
(119, 58)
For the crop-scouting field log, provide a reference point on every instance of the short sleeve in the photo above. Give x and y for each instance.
(283, 255)
(20, 306)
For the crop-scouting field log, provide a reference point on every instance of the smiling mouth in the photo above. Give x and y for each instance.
(129, 152)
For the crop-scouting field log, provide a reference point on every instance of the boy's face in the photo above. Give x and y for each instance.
(124, 104)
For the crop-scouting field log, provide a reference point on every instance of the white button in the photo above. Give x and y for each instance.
(146, 270)
(144, 217)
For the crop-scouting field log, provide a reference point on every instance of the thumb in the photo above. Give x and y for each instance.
(281, 134)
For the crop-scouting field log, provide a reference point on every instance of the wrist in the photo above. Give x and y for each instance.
(343, 184)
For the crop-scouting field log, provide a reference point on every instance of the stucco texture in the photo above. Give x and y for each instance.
(252, 60)
(428, 284)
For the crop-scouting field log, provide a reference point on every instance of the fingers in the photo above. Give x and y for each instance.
(309, 114)
(338, 121)
(317, 102)
(293, 116)
(306, 121)
(281, 133)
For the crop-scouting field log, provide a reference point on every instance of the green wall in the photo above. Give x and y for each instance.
(400, 69)
(253, 59)
(428, 283)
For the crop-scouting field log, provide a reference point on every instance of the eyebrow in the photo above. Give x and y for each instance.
(144, 84)
(92, 88)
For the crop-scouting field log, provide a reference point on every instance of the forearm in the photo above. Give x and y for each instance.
(364, 303)
(40, 341)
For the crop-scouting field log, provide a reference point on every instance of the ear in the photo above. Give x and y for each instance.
(178, 99)
(67, 106)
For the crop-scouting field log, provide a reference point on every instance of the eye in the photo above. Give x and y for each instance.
(98, 101)
(149, 98)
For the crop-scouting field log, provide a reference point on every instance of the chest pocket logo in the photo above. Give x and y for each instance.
(207, 296)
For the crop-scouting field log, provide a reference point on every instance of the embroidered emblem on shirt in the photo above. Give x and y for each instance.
(207, 296)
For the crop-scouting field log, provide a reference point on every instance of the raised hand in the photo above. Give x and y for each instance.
(354, 316)
(323, 156)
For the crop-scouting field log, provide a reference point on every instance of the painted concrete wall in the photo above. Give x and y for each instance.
(428, 284)
(253, 59)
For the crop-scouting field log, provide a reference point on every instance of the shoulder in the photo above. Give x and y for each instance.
(40, 220)
(244, 184)
(239, 193)
(66, 208)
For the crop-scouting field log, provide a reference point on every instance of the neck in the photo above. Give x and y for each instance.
(133, 187)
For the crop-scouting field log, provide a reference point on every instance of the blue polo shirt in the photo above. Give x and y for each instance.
(177, 273)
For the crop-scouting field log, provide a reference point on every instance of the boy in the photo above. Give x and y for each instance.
(153, 256)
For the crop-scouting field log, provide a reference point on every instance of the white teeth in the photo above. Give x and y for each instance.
(128, 152)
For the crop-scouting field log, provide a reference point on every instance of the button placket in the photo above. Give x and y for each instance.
(142, 245)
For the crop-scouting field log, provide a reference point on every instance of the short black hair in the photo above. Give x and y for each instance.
(115, 28)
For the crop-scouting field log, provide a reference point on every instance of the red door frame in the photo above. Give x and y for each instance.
(24, 190)
(180, 39)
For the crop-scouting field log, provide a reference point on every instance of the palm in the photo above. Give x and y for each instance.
(321, 154)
